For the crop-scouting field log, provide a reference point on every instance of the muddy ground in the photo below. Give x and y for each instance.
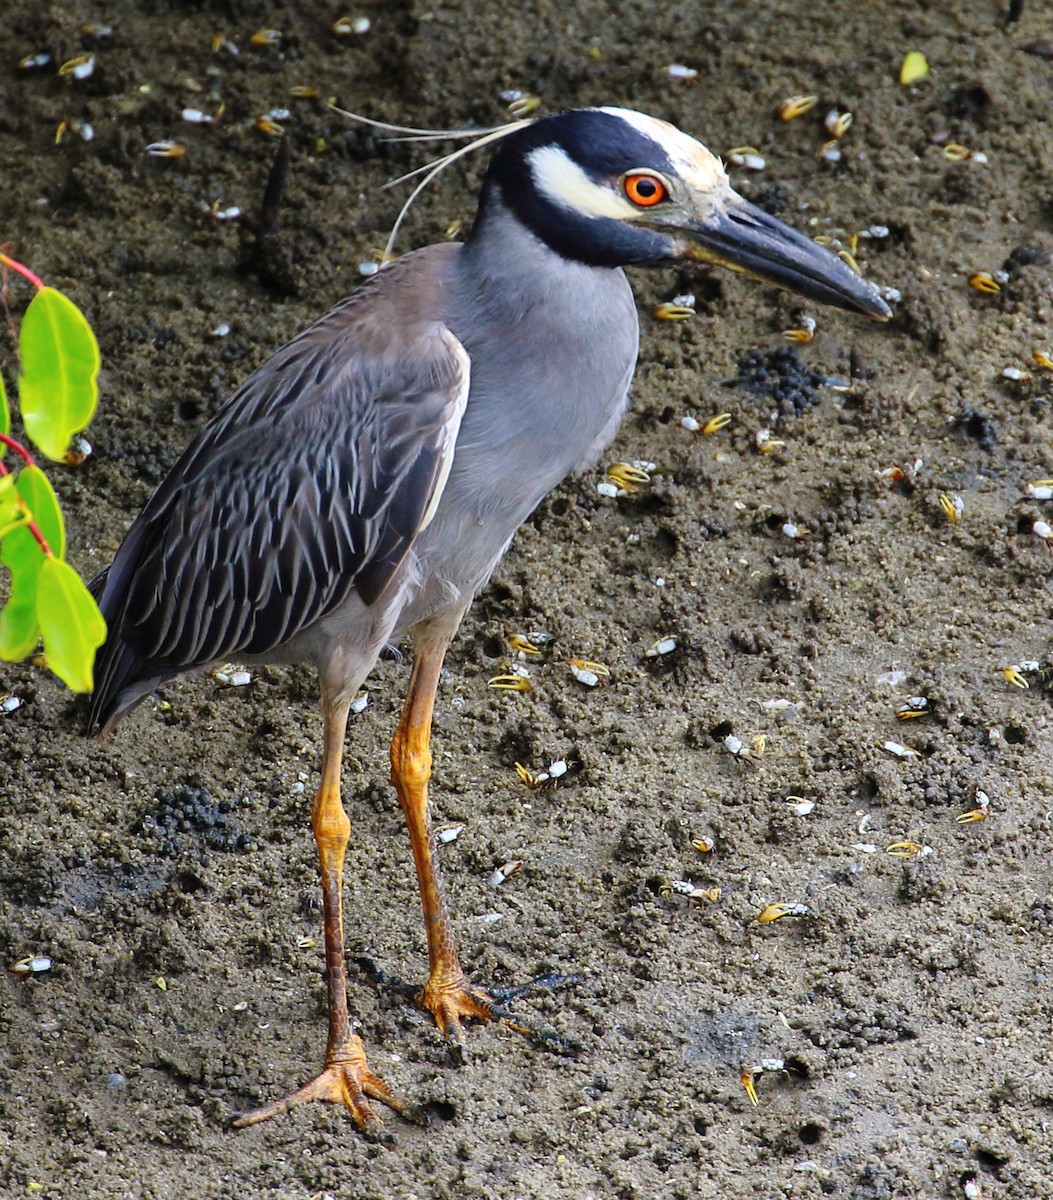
(911, 1006)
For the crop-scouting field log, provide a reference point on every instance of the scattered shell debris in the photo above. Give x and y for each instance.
(520, 104)
(773, 912)
(796, 106)
(747, 156)
(908, 849)
(33, 964)
(555, 770)
(838, 123)
(984, 281)
(167, 149)
(665, 645)
(587, 671)
(979, 813)
(765, 442)
(231, 675)
(681, 887)
(898, 750)
(953, 507)
(351, 26)
(81, 67)
(504, 871)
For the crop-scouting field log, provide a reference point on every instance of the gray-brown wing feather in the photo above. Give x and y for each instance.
(313, 480)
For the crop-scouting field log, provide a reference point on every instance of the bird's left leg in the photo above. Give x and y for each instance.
(448, 995)
(345, 1078)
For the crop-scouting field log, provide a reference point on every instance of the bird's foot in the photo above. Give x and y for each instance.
(452, 1001)
(345, 1079)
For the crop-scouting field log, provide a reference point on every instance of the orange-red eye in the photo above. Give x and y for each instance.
(645, 190)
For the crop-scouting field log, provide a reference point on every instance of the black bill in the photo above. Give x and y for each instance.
(745, 238)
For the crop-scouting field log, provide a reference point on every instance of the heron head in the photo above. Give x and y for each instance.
(612, 187)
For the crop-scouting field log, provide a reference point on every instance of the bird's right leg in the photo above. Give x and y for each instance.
(346, 1078)
(448, 994)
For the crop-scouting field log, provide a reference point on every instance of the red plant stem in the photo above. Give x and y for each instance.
(27, 458)
(18, 448)
(25, 272)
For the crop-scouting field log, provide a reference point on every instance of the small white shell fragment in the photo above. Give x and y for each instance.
(33, 965)
(733, 744)
(167, 149)
(899, 750)
(804, 808)
(450, 835)
(838, 123)
(689, 423)
(1040, 491)
(503, 872)
(664, 645)
(752, 162)
(85, 69)
(240, 1006)
(865, 847)
(606, 488)
(221, 330)
(231, 675)
(10, 703)
(354, 25)
(360, 703)
(779, 705)
(585, 676)
(679, 71)
(1043, 530)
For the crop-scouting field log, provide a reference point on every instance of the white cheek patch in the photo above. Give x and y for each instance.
(694, 164)
(559, 179)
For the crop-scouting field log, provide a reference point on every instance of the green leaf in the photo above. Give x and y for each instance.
(5, 412)
(60, 365)
(19, 627)
(71, 624)
(23, 557)
(11, 509)
(40, 498)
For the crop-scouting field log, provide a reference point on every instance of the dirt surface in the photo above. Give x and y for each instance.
(911, 1005)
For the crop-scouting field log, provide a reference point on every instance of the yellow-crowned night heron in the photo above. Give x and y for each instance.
(365, 481)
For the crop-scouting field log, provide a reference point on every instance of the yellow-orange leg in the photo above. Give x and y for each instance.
(448, 994)
(346, 1078)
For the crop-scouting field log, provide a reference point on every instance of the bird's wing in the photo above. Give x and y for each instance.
(314, 479)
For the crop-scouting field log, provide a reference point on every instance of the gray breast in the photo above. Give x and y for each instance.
(552, 347)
